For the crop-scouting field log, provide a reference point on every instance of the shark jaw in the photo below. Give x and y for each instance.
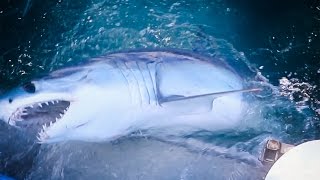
(39, 117)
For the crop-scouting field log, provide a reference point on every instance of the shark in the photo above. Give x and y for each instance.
(119, 93)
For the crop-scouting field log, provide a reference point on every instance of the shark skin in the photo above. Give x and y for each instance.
(116, 94)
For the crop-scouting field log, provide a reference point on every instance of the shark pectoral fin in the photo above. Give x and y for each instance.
(198, 103)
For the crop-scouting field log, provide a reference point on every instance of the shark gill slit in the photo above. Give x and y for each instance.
(136, 84)
(117, 63)
(152, 78)
(144, 83)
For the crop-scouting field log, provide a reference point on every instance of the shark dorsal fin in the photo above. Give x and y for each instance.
(213, 95)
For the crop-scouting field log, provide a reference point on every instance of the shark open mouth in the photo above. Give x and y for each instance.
(37, 117)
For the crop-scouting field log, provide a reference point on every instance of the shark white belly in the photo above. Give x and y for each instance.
(116, 94)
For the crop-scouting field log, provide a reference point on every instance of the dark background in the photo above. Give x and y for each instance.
(264, 24)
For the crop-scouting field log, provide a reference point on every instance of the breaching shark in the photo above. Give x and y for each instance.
(119, 93)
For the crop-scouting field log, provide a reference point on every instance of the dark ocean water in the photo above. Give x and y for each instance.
(279, 40)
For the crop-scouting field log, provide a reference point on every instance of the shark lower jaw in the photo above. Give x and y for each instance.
(37, 118)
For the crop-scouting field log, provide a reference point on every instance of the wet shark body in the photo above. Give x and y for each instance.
(119, 93)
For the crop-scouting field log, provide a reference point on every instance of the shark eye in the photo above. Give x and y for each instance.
(29, 87)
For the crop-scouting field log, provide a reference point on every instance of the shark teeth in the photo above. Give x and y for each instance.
(44, 127)
(42, 135)
(16, 116)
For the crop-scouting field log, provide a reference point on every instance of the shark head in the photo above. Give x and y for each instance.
(50, 108)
